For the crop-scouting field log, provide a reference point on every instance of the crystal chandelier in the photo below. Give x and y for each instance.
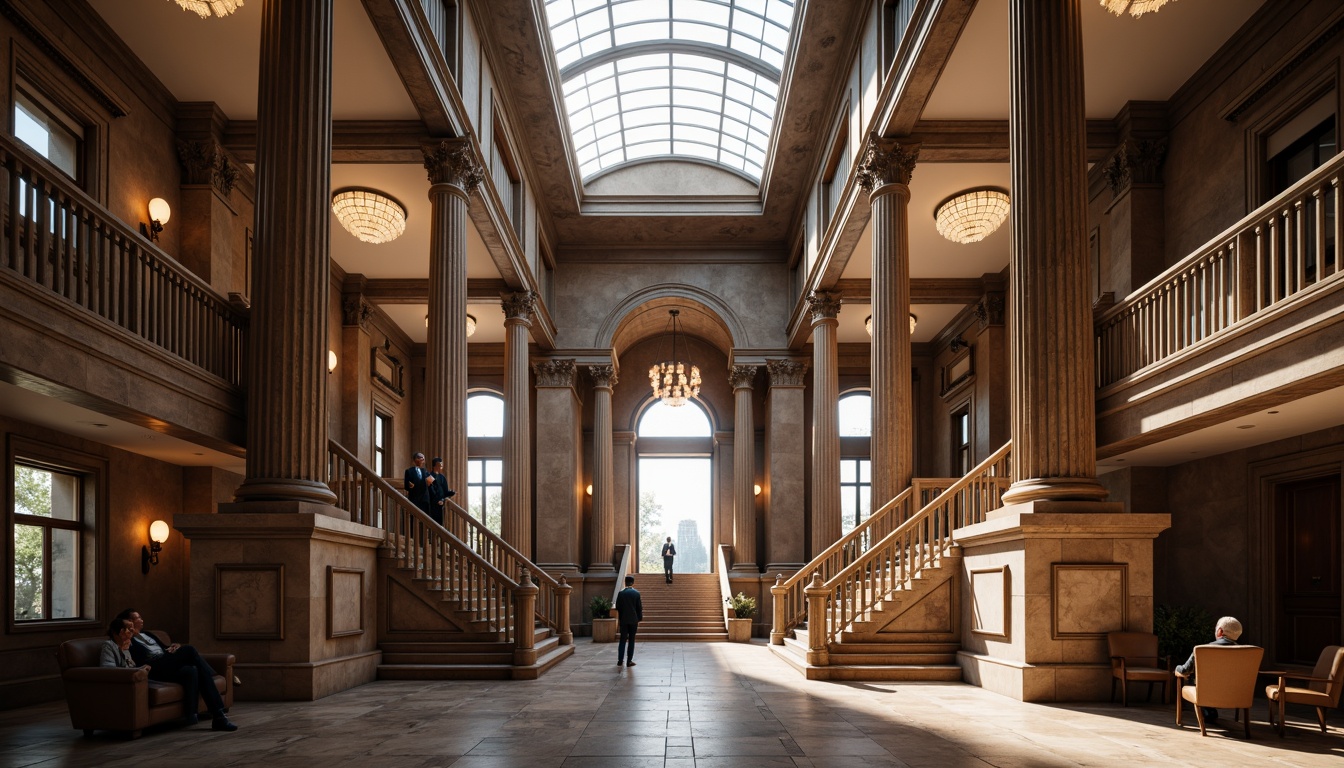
(369, 215)
(204, 8)
(674, 381)
(1136, 8)
(972, 215)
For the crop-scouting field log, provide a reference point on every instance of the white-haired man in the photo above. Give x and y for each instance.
(1225, 632)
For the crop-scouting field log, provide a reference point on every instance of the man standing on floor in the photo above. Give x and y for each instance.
(630, 611)
(417, 483)
(669, 553)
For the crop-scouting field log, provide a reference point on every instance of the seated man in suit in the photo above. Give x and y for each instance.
(439, 492)
(417, 483)
(179, 664)
(1225, 632)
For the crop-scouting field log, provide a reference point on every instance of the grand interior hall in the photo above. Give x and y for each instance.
(952, 342)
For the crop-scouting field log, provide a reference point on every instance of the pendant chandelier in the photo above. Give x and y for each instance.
(204, 8)
(672, 380)
(1135, 8)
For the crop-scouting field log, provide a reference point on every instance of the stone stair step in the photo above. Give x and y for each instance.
(445, 671)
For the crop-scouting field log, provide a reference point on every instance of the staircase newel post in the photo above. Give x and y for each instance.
(779, 593)
(562, 611)
(524, 621)
(818, 654)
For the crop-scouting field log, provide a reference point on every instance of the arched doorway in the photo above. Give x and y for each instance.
(675, 486)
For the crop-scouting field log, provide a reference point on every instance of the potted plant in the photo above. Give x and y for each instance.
(739, 624)
(604, 626)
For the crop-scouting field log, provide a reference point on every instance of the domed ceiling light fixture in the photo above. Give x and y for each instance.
(868, 324)
(369, 215)
(1136, 8)
(204, 8)
(672, 380)
(973, 215)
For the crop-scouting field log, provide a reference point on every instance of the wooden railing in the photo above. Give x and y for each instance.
(1285, 247)
(725, 589)
(463, 558)
(918, 543)
(59, 238)
(790, 602)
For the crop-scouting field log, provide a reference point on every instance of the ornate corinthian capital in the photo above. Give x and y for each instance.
(451, 161)
(741, 376)
(886, 161)
(555, 373)
(519, 305)
(603, 375)
(204, 161)
(786, 373)
(823, 305)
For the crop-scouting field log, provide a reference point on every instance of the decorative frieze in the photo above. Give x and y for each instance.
(886, 161)
(453, 162)
(555, 373)
(786, 373)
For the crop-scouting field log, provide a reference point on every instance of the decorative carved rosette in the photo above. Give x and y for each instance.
(452, 161)
(886, 161)
(204, 161)
(520, 305)
(741, 376)
(555, 373)
(823, 305)
(786, 373)
(356, 311)
(604, 376)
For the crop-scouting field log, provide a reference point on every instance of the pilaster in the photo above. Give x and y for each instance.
(786, 470)
(559, 468)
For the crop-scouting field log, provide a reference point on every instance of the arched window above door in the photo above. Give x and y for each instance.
(856, 414)
(485, 415)
(689, 420)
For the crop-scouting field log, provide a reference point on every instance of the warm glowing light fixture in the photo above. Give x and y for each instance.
(158, 534)
(331, 361)
(672, 380)
(159, 214)
(1135, 8)
(471, 326)
(868, 324)
(369, 215)
(204, 8)
(973, 215)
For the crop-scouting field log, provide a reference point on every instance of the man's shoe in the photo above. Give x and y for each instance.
(620, 663)
(223, 723)
(629, 663)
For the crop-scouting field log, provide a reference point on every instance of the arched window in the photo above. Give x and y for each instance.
(674, 446)
(856, 466)
(485, 465)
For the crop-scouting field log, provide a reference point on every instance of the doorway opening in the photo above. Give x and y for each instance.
(1307, 517)
(675, 484)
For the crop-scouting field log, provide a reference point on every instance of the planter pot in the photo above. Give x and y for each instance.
(604, 630)
(739, 630)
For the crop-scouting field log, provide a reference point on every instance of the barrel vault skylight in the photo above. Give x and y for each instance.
(650, 79)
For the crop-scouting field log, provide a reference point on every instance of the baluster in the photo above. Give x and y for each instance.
(1299, 247)
(1339, 224)
(1318, 230)
(15, 219)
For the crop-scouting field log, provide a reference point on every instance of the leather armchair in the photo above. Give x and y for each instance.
(120, 699)
(1134, 657)
(1320, 689)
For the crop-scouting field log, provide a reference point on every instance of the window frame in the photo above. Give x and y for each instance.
(29, 72)
(961, 454)
(93, 473)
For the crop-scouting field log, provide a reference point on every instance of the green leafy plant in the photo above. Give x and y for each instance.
(1180, 628)
(600, 605)
(743, 607)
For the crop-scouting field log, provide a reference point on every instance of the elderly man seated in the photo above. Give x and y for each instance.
(179, 664)
(1225, 632)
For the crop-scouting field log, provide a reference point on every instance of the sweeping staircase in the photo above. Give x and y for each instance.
(456, 602)
(883, 602)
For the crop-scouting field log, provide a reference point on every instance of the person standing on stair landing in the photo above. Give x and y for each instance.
(669, 552)
(629, 612)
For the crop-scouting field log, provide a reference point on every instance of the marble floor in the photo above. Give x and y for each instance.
(684, 705)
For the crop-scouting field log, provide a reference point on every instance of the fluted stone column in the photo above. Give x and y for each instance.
(453, 174)
(825, 307)
(604, 486)
(885, 173)
(744, 469)
(518, 309)
(1050, 321)
(287, 345)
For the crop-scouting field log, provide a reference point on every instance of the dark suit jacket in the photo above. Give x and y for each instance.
(439, 490)
(416, 488)
(629, 607)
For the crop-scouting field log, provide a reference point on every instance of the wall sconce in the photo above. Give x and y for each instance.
(471, 326)
(590, 489)
(868, 324)
(331, 361)
(757, 489)
(158, 533)
(159, 214)
(957, 344)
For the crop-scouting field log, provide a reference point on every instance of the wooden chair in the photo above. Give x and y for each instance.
(1224, 679)
(1134, 658)
(1322, 689)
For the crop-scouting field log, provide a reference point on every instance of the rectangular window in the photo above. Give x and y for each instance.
(961, 442)
(51, 527)
(382, 444)
(50, 131)
(485, 492)
(828, 197)
(508, 180)
(856, 485)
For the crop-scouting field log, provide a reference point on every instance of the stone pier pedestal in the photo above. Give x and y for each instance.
(291, 591)
(1043, 582)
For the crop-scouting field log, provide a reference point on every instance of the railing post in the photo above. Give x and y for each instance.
(524, 621)
(562, 612)
(818, 653)
(780, 593)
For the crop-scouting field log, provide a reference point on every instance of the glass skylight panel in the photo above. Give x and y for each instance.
(706, 100)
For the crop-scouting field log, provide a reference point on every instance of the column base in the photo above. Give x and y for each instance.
(601, 568)
(744, 569)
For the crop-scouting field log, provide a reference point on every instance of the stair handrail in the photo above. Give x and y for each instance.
(483, 591)
(553, 594)
(919, 542)
(790, 602)
(725, 589)
(621, 571)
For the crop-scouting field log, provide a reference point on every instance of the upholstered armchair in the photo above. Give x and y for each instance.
(1134, 658)
(1321, 689)
(1224, 679)
(119, 699)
